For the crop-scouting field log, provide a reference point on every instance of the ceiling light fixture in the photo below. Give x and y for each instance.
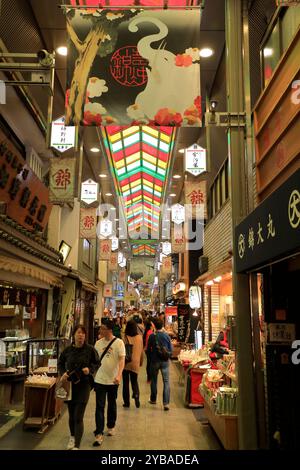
(268, 52)
(173, 195)
(177, 177)
(108, 194)
(102, 175)
(95, 149)
(206, 52)
(62, 50)
(181, 150)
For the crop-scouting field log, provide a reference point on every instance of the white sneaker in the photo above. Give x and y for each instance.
(71, 443)
(111, 432)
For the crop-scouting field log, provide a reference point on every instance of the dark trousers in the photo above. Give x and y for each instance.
(148, 367)
(127, 374)
(111, 391)
(76, 415)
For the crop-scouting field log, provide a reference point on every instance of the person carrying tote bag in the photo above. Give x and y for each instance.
(130, 373)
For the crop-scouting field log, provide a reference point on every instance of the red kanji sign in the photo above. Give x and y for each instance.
(88, 223)
(62, 179)
(105, 250)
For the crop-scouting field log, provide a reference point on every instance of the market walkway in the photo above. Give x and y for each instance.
(147, 428)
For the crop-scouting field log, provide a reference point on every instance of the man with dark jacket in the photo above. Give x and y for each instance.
(159, 350)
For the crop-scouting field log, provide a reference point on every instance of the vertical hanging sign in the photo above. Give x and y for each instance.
(196, 199)
(62, 179)
(105, 250)
(88, 223)
(113, 262)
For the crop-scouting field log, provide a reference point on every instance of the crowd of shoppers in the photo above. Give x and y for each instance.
(117, 355)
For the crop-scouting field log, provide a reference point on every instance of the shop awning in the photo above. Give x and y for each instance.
(223, 268)
(25, 269)
(88, 285)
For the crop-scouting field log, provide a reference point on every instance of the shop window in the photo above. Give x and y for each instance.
(87, 252)
(219, 191)
(290, 24)
(277, 42)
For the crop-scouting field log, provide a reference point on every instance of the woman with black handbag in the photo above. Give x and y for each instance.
(134, 359)
(77, 364)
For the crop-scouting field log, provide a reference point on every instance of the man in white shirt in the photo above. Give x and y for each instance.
(107, 379)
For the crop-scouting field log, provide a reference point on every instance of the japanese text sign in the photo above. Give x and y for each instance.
(178, 239)
(272, 229)
(62, 179)
(178, 214)
(89, 191)
(108, 290)
(62, 137)
(88, 223)
(113, 262)
(195, 160)
(122, 275)
(284, 333)
(27, 198)
(195, 199)
(105, 249)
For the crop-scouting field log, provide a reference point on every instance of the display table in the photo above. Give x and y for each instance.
(225, 426)
(11, 390)
(194, 398)
(39, 405)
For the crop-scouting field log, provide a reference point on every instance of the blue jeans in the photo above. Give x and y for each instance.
(162, 366)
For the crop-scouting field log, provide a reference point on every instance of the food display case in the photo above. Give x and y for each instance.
(42, 355)
(13, 350)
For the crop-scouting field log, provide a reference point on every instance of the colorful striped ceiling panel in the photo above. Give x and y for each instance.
(140, 159)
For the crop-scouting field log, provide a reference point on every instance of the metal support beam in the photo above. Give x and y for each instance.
(241, 291)
(227, 120)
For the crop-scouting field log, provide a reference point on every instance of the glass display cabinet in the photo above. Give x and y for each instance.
(42, 355)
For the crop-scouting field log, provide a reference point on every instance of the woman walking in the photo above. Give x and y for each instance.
(132, 368)
(76, 364)
(149, 329)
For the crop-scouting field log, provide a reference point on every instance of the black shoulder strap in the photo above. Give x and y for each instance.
(105, 350)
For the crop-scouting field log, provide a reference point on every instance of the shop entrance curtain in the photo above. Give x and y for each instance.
(133, 67)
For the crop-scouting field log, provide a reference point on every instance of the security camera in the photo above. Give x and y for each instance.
(213, 105)
(45, 58)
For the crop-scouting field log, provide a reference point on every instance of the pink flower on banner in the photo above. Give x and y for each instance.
(90, 119)
(183, 60)
(167, 117)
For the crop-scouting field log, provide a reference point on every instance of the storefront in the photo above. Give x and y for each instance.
(272, 257)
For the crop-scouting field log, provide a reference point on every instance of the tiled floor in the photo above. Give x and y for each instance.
(147, 428)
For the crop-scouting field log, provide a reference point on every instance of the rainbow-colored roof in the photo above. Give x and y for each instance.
(143, 250)
(140, 158)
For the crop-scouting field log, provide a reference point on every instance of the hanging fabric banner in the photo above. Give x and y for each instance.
(105, 249)
(113, 262)
(149, 58)
(122, 275)
(88, 223)
(62, 179)
(178, 239)
(196, 199)
(166, 265)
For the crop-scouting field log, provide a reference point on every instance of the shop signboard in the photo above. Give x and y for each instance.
(195, 297)
(113, 262)
(105, 249)
(283, 333)
(272, 229)
(106, 228)
(166, 248)
(88, 223)
(178, 239)
(89, 191)
(167, 265)
(183, 322)
(62, 179)
(195, 160)
(171, 311)
(122, 275)
(115, 46)
(178, 214)
(26, 197)
(62, 136)
(114, 243)
(108, 290)
(196, 199)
